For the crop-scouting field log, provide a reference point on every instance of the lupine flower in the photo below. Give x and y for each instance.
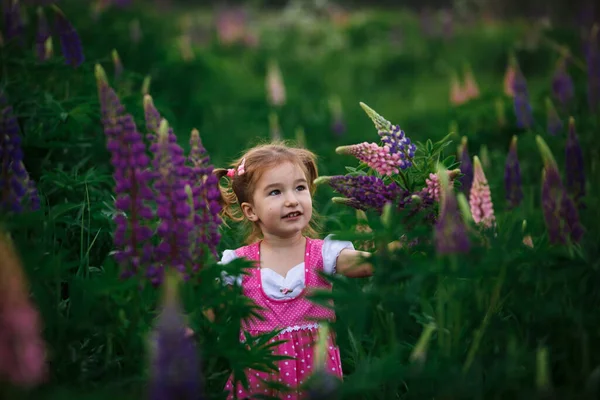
(22, 348)
(338, 126)
(480, 198)
(433, 187)
(379, 158)
(593, 68)
(118, 65)
(466, 166)
(450, 230)
(554, 124)
(500, 114)
(521, 101)
(364, 191)
(509, 77)
(174, 365)
(13, 20)
(231, 25)
(447, 21)
(135, 31)
(69, 39)
(205, 195)
(42, 50)
(560, 213)
(274, 127)
(393, 137)
(132, 181)
(562, 84)
(152, 118)
(172, 207)
(512, 176)
(16, 188)
(575, 173)
(458, 94)
(471, 86)
(275, 86)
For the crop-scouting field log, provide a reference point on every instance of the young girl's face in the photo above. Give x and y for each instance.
(281, 203)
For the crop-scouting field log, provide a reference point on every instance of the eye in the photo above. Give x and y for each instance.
(301, 187)
(274, 192)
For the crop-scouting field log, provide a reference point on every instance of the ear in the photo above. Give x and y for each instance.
(248, 211)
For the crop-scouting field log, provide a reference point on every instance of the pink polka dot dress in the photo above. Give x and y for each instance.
(289, 310)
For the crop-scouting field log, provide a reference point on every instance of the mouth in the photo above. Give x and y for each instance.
(294, 214)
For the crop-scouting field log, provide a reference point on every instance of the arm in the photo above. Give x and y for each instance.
(352, 263)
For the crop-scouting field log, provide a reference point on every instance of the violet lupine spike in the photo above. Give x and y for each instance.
(521, 102)
(42, 36)
(512, 176)
(118, 65)
(13, 20)
(338, 127)
(172, 207)
(562, 84)
(480, 198)
(553, 121)
(466, 166)
(69, 39)
(132, 237)
(175, 370)
(450, 229)
(381, 159)
(16, 188)
(110, 104)
(575, 172)
(560, 213)
(366, 191)
(205, 195)
(593, 68)
(153, 120)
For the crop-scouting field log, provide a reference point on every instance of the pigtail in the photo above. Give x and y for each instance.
(228, 199)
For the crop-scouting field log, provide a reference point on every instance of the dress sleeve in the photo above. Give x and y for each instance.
(229, 256)
(331, 250)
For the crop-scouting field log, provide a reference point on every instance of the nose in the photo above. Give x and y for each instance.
(291, 201)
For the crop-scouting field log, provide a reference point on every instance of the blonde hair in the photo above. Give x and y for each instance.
(240, 188)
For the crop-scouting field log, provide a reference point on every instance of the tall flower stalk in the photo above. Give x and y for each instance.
(480, 197)
(450, 229)
(512, 176)
(575, 171)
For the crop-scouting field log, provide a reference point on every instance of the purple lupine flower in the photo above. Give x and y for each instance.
(13, 20)
(42, 37)
(466, 166)
(512, 176)
(70, 42)
(175, 371)
(152, 117)
(450, 230)
(118, 65)
(592, 54)
(338, 127)
(575, 173)
(560, 213)
(364, 191)
(562, 84)
(381, 159)
(205, 195)
(554, 124)
(521, 102)
(393, 137)
(16, 188)
(173, 209)
(132, 181)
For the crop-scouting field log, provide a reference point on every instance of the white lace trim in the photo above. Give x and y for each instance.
(300, 327)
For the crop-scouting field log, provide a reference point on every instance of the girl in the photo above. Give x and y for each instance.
(271, 188)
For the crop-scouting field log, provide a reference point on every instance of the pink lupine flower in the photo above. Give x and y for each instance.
(509, 80)
(458, 94)
(275, 85)
(381, 159)
(433, 187)
(480, 198)
(22, 348)
(471, 87)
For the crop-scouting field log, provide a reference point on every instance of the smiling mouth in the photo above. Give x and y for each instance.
(292, 215)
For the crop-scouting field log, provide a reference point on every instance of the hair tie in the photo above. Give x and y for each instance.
(241, 169)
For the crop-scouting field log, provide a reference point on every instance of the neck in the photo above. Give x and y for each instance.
(283, 242)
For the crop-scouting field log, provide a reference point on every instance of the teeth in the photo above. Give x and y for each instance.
(294, 214)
